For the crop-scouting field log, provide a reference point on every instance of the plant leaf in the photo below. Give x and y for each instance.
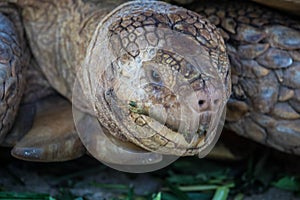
(290, 183)
(221, 193)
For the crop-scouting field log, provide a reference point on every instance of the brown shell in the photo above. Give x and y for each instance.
(291, 6)
(263, 48)
(13, 60)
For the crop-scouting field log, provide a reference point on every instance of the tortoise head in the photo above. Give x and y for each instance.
(157, 76)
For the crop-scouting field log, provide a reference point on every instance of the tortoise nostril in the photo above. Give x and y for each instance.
(216, 101)
(208, 104)
(201, 102)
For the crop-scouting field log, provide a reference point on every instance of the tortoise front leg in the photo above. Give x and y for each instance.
(53, 136)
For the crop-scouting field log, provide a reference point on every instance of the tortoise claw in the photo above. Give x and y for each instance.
(53, 136)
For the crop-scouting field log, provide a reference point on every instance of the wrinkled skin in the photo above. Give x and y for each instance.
(265, 91)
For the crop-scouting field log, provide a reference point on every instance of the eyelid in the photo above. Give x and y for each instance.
(155, 76)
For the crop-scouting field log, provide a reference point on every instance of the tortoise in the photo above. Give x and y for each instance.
(141, 65)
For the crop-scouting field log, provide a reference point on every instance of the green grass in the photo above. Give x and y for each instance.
(186, 179)
(25, 196)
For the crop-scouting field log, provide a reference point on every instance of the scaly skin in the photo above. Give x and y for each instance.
(264, 52)
(62, 31)
(59, 34)
(13, 61)
(147, 26)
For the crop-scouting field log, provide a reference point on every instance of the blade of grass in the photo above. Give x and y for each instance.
(196, 188)
(25, 195)
(290, 183)
(183, 179)
(221, 193)
(157, 196)
(111, 186)
(175, 190)
(239, 196)
(130, 193)
(199, 195)
(167, 196)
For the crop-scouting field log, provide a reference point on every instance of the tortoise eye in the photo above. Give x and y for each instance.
(155, 76)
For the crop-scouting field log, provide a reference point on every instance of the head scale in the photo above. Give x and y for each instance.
(163, 79)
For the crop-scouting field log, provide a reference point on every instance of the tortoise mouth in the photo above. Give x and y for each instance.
(185, 127)
(191, 126)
